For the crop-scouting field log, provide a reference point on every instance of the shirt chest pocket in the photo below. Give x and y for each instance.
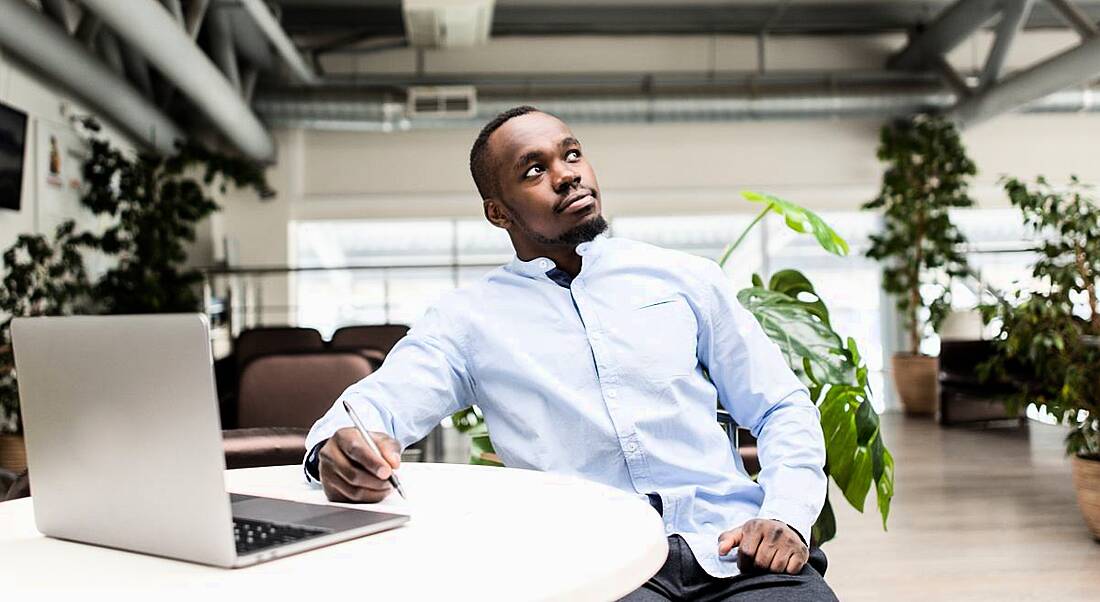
(657, 339)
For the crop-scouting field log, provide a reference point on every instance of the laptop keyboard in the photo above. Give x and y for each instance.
(255, 535)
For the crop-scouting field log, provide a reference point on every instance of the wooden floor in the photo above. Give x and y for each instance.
(978, 515)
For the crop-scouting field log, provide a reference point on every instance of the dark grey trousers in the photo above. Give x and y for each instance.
(681, 578)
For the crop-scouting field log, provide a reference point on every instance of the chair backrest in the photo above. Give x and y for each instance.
(379, 336)
(295, 390)
(258, 342)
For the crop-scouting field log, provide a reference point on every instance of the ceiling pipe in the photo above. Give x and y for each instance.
(377, 115)
(37, 40)
(152, 30)
(260, 13)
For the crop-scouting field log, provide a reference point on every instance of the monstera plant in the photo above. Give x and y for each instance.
(797, 320)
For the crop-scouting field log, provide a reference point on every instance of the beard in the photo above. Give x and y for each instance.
(582, 232)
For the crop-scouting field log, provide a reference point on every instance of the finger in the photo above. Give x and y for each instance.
(750, 541)
(391, 449)
(795, 564)
(729, 540)
(764, 556)
(779, 563)
(340, 466)
(354, 447)
(338, 490)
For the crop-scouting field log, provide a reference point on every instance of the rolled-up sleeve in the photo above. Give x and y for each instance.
(758, 388)
(423, 380)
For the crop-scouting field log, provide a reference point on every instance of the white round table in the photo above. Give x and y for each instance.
(477, 533)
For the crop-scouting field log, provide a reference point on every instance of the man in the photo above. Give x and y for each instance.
(603, 358)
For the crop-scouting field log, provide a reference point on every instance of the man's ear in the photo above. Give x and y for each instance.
(497, 213)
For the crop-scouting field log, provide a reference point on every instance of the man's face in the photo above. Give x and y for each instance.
(546, 190)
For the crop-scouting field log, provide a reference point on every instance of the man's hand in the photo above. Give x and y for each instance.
(351, 472)
(765, 545)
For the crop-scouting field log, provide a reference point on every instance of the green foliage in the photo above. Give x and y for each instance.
(1049, 339)
(797, 218)
(155, 203)
(41, 278)
(927, 174)
(796, 319)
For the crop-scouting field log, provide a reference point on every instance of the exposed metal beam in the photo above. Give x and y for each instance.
(221, 46)
(1076, 18)
(176, 9)
(32, 37)
(152, 30)
(138, 69)
(88, 28)
(947, 31)
(248, 82)
(1012, 19)
(107, 44)
(1070, 68)
(952, 78)
(56, 11)
(252, 45)
(267, 23)
(192, 20)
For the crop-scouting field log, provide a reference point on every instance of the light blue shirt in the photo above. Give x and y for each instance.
(605, 380)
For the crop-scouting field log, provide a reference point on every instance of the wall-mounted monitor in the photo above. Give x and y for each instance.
(13, 142)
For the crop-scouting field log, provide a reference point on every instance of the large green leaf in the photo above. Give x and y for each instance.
(824, 527)
(800, 333)
(802, 220)
(795, 285)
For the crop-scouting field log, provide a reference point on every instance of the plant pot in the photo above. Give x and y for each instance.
(916, 379)
(1086, 479)
(13, 455)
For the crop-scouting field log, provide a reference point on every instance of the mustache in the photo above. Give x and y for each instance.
(576, 194)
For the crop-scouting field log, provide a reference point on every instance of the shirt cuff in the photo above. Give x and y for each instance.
(795, 514)
(312, 463)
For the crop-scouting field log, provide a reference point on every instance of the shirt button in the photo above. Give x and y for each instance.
(631, 447)
(612, 393)
(668, 528)
(545, 263)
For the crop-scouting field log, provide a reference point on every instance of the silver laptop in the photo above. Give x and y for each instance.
(124, 446)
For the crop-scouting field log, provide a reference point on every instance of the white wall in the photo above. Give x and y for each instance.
(45, 104)
(645, 169)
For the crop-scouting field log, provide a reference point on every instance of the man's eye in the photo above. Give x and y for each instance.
(573, 155)
(534, 171)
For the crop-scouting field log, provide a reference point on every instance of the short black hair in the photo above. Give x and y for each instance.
(480, 169)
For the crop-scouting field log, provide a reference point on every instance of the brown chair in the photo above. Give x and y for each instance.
(373, 342)
(267, 446)
(258, 342)
(294, 390)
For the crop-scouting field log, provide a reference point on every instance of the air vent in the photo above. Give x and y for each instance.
(442, 101)
(447, 23)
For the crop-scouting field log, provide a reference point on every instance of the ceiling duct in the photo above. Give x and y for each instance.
(447, 23)
(444, 102)
(344, 112)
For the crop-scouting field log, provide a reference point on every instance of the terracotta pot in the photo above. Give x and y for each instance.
(1086, 479)
(917, 381)
(13, 455)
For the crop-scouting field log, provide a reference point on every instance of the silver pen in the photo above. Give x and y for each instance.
(374, 446)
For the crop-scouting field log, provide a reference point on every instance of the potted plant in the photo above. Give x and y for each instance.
(154, 203)
(927, 174)
(1048, 342)
(41, 278)
(797, 320)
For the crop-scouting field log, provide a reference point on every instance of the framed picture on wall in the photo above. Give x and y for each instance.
(13, 141)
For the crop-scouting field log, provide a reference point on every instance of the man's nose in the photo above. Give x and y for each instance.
(565, 178)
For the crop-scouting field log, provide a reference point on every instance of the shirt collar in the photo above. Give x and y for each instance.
(540, 265)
